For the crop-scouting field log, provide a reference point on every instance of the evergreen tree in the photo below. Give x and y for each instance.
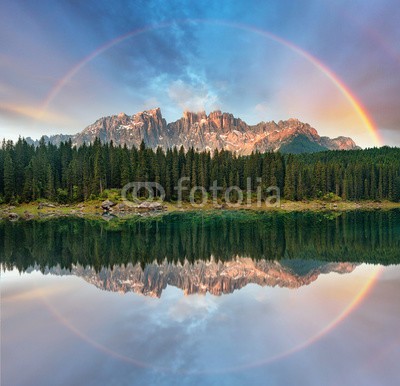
(70, 174)
(9, 178)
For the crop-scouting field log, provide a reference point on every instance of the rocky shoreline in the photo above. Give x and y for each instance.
(108, 210)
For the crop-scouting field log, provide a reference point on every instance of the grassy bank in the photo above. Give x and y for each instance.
(93, 208)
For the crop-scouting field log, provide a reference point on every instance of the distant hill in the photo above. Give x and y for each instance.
(301, 144)
(205, 132)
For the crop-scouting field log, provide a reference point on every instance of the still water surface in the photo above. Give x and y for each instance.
(209, 299)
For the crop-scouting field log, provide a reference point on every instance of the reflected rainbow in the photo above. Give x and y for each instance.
(355, 302)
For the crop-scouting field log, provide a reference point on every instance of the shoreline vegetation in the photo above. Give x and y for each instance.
(93, 208)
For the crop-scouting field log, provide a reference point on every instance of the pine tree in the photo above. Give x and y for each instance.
(125, 167)
(99, 175)
(396, 189)
(9, 178)
(30, 173)
(50, 184)
(289, 190)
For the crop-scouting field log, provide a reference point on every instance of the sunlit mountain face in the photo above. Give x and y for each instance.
(63, 65)
(203, 132)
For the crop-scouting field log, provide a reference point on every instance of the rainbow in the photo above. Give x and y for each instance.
(325, 70)
(98, 346)
(355, 302)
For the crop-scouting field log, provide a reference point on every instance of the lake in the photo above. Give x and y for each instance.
(202, 298)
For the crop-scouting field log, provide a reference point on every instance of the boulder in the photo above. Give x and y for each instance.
(220, 206)
(108, 216)
(151, 205)
(155, 206)
(13, 216)
(45, 205)
(28, 215)
(107, 205)
(122, 207)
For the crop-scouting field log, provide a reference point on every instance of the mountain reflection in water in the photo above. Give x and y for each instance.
(216, 278)
(342, 328)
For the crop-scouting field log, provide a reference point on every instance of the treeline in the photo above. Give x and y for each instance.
(357, 237)
(68, 174)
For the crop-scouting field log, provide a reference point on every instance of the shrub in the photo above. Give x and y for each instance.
(331, 197)
(62, 196)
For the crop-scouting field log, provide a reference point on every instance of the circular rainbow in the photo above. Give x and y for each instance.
(355, 302)
(324, 69)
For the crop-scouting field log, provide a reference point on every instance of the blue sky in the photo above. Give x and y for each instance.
(238, 56)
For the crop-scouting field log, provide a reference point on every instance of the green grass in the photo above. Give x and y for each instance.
(92, 208)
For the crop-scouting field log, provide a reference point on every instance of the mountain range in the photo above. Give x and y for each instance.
(204, 132)
(203, 277)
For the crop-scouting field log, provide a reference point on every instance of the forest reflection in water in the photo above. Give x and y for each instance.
(369, 237)
(256, 335)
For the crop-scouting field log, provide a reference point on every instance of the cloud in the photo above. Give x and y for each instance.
(38, 114)
(195, 311)
(193, 97)
(261, 109)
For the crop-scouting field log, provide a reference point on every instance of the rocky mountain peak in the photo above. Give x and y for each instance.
(202, 277)
(154, 113)
(218, 130)
(193, 118)
(122, 115)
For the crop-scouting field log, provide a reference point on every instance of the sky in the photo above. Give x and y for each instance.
(253, 336)
(335, 65)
